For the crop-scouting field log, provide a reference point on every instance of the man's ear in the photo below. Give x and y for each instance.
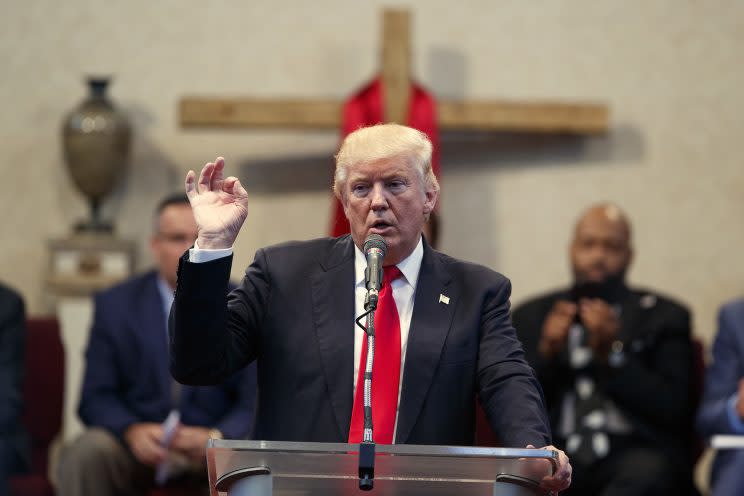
(430, 201)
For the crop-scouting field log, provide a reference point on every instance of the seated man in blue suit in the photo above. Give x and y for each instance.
(722, 407)
(444, 334)
(14, 445)
(128, 392)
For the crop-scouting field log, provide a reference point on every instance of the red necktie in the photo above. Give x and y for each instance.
(385, 369)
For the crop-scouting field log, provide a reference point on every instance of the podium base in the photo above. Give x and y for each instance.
(252, 481)
(515, 485)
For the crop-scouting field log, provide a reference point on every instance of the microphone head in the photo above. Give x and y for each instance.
(375, 241)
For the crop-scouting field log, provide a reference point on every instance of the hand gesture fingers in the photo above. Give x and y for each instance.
(220, 205)
(205, 178)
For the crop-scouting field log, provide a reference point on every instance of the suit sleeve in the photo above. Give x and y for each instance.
(12, 346)
(721, 379)
(655, 385)
(509, 391)
(211, 336)
(100, 399)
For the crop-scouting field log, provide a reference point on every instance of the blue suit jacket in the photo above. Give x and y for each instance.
(294, 313)
(721, 383)
(126, 376)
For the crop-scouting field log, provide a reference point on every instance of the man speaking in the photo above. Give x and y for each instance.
(442, 325)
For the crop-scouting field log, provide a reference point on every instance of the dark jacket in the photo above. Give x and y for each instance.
(652, 388)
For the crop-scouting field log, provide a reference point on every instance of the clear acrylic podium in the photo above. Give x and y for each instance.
(265, 468)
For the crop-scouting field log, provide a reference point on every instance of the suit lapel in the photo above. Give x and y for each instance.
(333, 315)
(430, 323)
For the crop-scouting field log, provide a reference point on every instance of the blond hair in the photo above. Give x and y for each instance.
(384, 141)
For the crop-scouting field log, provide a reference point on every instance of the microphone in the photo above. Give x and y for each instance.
(375, 250)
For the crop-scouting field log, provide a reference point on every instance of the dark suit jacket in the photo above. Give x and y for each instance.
(721, 383)
(14, 443)
(126, 376)
(653, 387)
(294, 312)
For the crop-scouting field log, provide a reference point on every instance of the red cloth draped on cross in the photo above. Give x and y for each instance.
(365, 108)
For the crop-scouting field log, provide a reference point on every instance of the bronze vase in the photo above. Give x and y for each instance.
(96, 138)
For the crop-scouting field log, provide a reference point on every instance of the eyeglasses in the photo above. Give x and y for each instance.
(179, 238)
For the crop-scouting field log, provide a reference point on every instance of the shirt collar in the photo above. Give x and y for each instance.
(409, 267)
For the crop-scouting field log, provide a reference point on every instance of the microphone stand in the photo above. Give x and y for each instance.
(367, 446)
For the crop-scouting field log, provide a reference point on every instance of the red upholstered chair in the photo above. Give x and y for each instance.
(697, 384)
(43, 394)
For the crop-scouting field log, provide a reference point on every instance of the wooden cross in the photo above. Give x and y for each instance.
(537, 117)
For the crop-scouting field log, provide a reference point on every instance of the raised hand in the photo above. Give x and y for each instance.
(220, 205)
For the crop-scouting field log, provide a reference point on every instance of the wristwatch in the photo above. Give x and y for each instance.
(616, 356)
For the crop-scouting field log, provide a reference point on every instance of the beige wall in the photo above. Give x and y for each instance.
(670, 70)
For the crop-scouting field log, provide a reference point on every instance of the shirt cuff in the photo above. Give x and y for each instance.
(201, 255)
(735, 422)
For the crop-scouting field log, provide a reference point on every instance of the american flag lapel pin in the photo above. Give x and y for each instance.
(443, 299)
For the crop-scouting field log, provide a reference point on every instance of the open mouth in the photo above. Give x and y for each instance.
(380, 226)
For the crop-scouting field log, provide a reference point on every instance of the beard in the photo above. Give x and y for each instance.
(608, 289)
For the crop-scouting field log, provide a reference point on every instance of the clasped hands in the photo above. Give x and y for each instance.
(600, 320)
(145, 441)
